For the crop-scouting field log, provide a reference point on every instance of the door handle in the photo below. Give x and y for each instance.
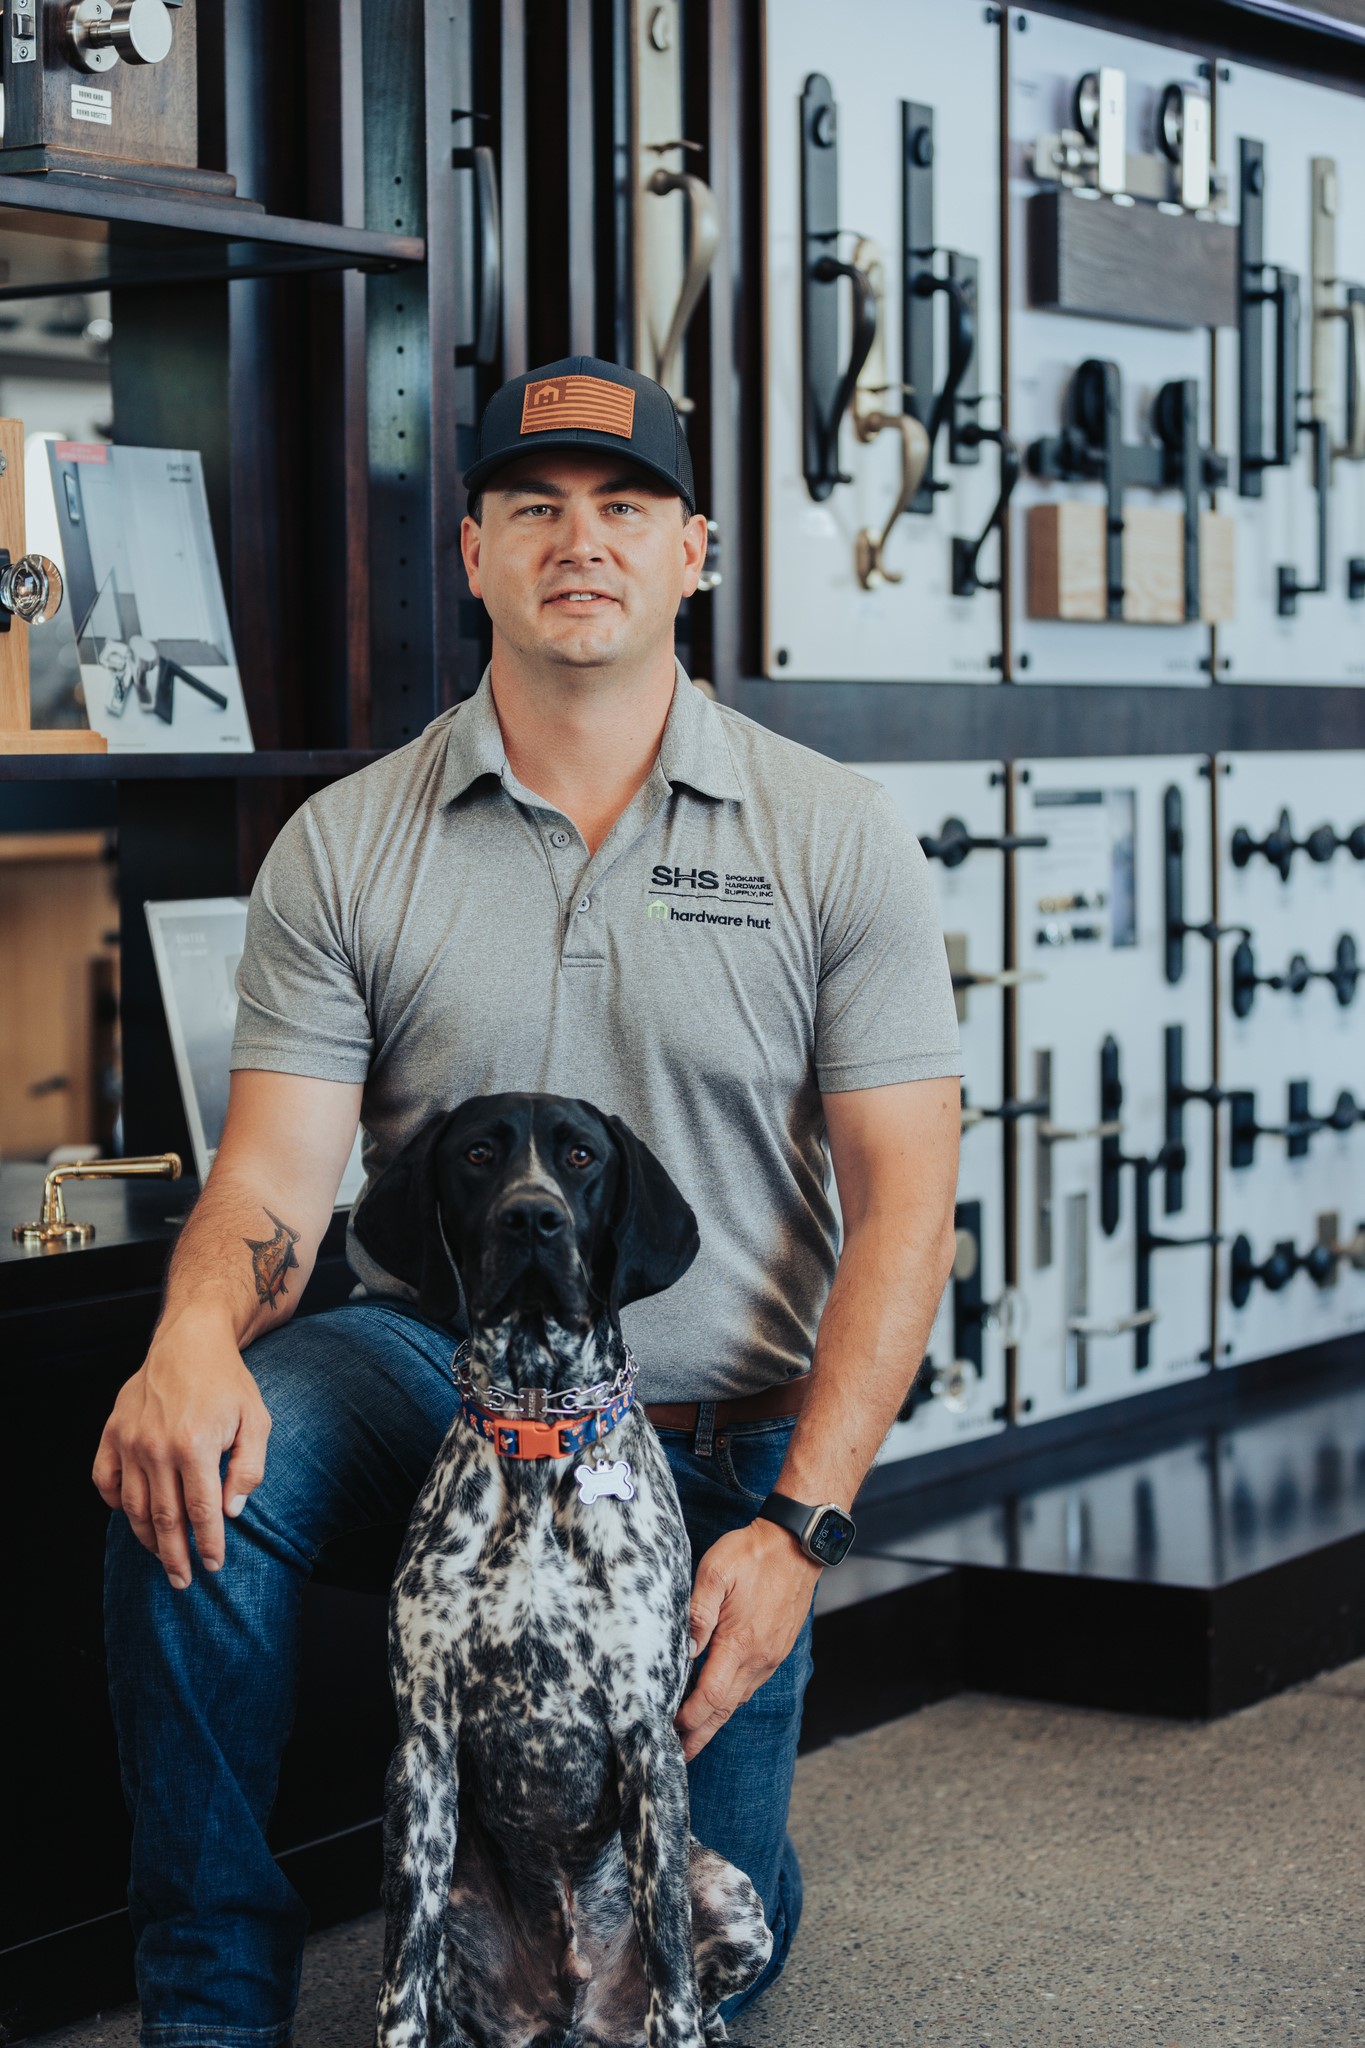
(1006, 977)
(1053, 1134)
(1096, 1326)
(869, 419)
(966, 553)
(827, 270)
(488, 217)
(1352, 449)
(703, 240)
(914, 462)
(961, 298)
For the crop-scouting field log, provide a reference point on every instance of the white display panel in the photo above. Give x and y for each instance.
(1047, 58)
(971, 905)
(1093, 912)
(1324, 641)
(1309, 1038)
(819, 622)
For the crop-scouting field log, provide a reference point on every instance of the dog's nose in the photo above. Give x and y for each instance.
(531, 1220)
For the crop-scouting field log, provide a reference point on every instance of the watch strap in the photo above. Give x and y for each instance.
(787, 1513)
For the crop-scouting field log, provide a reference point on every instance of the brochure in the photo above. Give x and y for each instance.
(144, 610)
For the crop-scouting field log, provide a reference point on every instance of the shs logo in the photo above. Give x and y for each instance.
(664, 877)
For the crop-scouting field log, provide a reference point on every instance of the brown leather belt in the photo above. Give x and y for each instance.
(785, 1399)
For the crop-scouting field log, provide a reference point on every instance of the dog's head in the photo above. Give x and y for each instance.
(534, 1206)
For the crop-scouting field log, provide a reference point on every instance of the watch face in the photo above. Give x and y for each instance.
(832, 1537)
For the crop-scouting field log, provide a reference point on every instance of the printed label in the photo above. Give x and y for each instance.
(90, 103)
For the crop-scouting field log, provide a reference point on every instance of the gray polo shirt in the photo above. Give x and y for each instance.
(756, 928)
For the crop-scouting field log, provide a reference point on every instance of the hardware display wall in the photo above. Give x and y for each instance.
(1114, 1026)
(1291, 874)
(1114, 268)
(1291, 379)
(1179, 1005)
(958, 811)
(1185, 340)
(883, 337)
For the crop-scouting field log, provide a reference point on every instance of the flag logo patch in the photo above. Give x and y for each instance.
(589, 402)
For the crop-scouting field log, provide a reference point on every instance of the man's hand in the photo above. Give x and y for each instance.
(159, 1454)
(752, 1594)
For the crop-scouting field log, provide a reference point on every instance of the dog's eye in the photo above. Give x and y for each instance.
(580, 1155)
(479, 1154)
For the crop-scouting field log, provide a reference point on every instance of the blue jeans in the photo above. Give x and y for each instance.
(203, 1683)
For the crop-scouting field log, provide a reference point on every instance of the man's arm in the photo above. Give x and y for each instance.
(240, 1266)
(895, 1163)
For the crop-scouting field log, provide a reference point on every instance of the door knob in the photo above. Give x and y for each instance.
(101, 32)
(30, 589)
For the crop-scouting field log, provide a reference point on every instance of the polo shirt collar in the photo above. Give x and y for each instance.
(694, 749)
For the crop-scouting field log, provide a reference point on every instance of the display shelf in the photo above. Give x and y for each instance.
(998, 721)
(324, 764)
(63, 235)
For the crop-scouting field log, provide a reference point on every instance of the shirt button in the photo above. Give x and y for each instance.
(586, 904)
(559, 839)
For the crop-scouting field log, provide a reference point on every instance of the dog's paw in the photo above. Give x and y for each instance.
(714, 2029)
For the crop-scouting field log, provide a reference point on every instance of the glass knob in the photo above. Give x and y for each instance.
(31, 589)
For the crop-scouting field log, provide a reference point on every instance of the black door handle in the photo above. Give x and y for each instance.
(488, 218)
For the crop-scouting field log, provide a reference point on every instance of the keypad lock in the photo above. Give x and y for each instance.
(99, 34)
(30, 589)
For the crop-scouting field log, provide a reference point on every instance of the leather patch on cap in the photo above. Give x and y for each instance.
(578, 402)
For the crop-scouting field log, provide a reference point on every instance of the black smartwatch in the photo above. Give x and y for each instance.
(824, 1533)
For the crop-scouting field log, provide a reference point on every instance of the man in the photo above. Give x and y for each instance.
(592, 881)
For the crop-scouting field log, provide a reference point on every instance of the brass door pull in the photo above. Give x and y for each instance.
(914, 462)
(703, 240)
(55, 1227)
(869, 419)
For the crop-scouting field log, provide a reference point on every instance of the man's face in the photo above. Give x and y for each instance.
(582, 559)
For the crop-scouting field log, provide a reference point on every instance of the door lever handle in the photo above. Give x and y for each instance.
(1097, 1326)
(1053, 1134)
(1007, 977)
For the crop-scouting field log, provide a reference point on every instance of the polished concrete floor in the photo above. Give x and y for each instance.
(996, 1874)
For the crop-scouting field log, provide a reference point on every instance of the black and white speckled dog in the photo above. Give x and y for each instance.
(541, 1886)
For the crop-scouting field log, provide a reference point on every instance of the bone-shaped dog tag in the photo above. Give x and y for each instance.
(604, 1481)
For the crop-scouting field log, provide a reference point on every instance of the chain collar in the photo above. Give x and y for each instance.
(537, 1404)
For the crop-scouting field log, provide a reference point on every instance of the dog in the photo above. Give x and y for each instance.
(541, 1886)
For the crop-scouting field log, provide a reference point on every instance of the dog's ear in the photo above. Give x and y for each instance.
(653, 1231)
(398, 1222)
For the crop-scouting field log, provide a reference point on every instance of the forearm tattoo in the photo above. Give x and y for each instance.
(271, 1259)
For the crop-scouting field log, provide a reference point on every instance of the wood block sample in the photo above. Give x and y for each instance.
(16, 735)
(1066, 564)
(14, 644)
(1130, 263)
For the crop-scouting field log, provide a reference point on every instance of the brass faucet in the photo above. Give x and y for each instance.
(55, 1227)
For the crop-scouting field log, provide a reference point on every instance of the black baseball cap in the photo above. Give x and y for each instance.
(582, 402)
